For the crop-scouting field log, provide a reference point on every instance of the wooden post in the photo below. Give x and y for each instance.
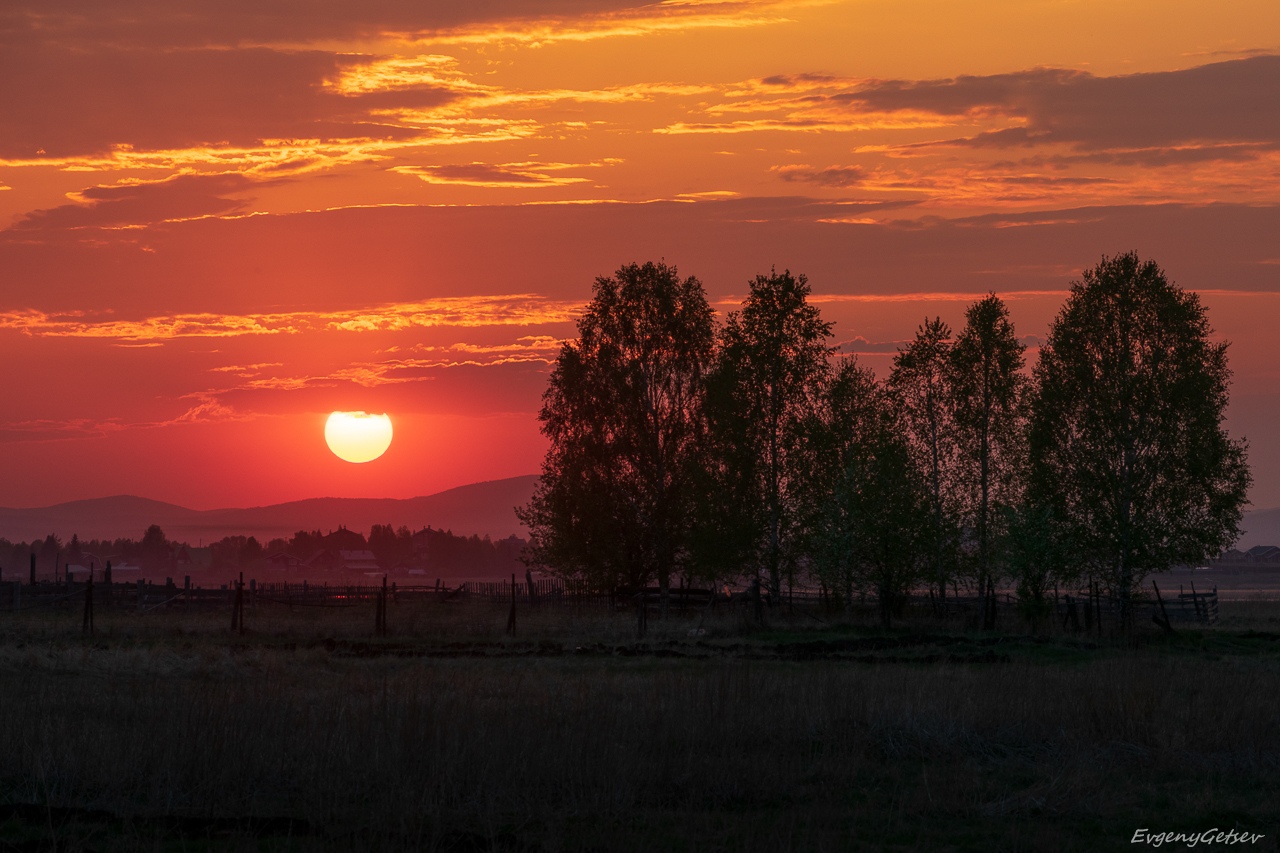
(528, 579)
(1163, 619)
(1195, 599)
(511, 617)
(380, 611)
(237, 606)
(142, 596)
(87, 628)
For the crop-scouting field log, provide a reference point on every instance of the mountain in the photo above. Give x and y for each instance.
(480, 508)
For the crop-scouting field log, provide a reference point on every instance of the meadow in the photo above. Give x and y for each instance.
(817, 731)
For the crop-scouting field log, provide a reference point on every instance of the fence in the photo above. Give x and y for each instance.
(1082, 610)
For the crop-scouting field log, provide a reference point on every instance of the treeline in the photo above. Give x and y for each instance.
(153, 549)
(439, 550)
(751, 449)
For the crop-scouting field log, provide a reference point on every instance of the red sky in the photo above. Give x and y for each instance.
(221, 221)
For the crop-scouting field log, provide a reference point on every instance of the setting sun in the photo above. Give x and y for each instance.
(357, 436)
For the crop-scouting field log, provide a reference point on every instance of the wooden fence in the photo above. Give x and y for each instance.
(1080, 610)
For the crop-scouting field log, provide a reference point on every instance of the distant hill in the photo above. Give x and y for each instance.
(480, 508)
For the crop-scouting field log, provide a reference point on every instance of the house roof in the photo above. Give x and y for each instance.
(1263, 552)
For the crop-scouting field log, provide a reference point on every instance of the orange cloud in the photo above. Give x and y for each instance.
(461, 311)
(526, 174)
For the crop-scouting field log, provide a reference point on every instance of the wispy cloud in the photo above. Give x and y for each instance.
(831, 176)
(461, 311)
(529, 174)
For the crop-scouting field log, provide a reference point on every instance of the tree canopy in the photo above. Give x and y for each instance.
(623, 412)
(1127, 436)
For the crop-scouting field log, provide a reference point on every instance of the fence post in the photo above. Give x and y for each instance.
(237, 606)
(87, 627)
(1163, 620)
(511, 617)
(142, 595)
(380, 610)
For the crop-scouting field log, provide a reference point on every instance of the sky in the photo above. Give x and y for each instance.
(221, 221)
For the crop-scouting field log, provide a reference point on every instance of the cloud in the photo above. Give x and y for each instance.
(528, 174)
(1220, 102)
(832, 176)
(179, 197)
(211, 23)
(60, 102)
(460, 311)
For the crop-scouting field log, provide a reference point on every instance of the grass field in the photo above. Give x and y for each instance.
(167, 732)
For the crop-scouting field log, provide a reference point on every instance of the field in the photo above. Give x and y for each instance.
(165, 731)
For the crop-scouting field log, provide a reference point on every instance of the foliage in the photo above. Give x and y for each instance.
(987, 394)
(870, 506)
(771, 369)
(623, 412)
(1127, 439)
(1036, 556)
(921, 394)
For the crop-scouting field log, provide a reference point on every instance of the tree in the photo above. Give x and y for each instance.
(984, 375)
(772, 366)
(623, 412)
(919, 384)
(870, 510)
(1035, 553)
(1127, 436)
(154, 549)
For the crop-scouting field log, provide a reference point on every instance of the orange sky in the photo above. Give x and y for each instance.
(223, 220)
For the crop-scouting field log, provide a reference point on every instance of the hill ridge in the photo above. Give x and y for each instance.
(485, 507)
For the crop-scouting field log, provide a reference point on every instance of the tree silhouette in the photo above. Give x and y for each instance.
(921, 392)
(987, 390)
(869, 520)
(154, 549)
(1127, 440)
(623, 412)
(772, 368)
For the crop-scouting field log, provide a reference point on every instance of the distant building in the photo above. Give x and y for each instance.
(342, 560)
(343, 539)
(1257, 557)
(284, 561)
(358, 561)
(1269, 554)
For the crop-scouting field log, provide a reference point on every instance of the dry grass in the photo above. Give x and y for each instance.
(167, 733)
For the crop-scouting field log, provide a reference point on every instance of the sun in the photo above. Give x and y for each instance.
(357, 436)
